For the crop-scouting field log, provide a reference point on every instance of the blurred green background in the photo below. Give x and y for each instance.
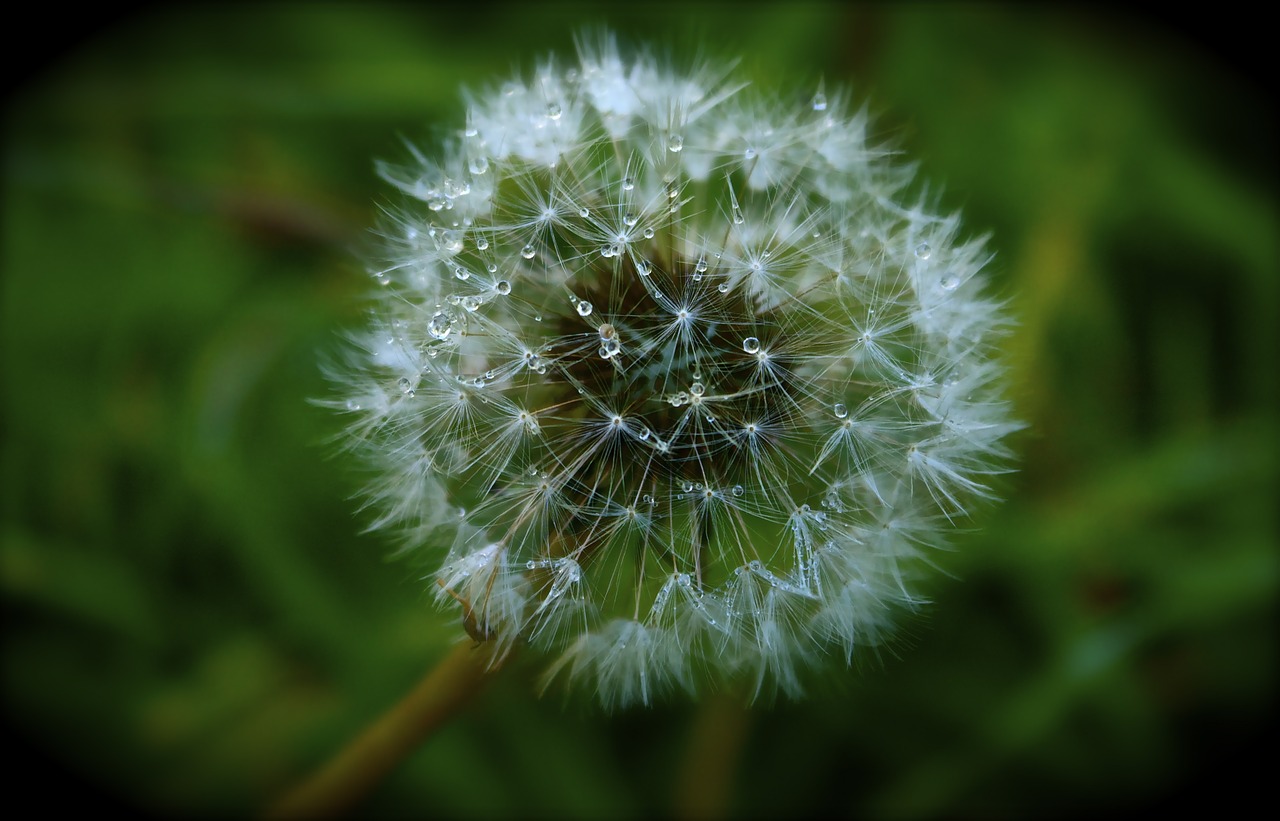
(193, 619)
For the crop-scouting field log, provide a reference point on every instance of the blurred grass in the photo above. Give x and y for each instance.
(192, 619)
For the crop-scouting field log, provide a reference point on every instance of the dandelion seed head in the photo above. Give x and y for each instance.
(704, 382)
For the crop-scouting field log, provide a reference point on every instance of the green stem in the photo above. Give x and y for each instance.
(350, 775)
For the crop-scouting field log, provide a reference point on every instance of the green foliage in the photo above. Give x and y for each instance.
(193, 618)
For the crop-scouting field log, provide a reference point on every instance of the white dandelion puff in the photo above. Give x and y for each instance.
(706, 386)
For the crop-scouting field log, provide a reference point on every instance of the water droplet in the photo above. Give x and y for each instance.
(923, 251)
(647, 499)
(608, 251)
(353, 405)
(750, 153)
(751, 345)
(482, 243)
(648, 233)
(686, 486)
(527, 252)
(436, 203)
(462, 273)
(502, 286)
(584, 213)
(471, 303)
(697, 389)
(441, 324)
(492, 267)
(738, 490)
(554, 111)
(537, 317)
(840, 410)
(701, 266)
(643, 268)
(819, 102)
(584, 308)
(645, 433)
(950, 282)
(629, 219)
(628, 183)
(723, 287)
(406, 386)
(675, 143)
(479, 165)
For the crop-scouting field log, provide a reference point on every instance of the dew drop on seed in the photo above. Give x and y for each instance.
(923, 251)
(750, 154)
(537, 317)
(406, 386)
(584, 213)
(738, 490)
(644, 435)
(554, 111)
(479, 165)
(643, 269)
(503, 287)
(697, 389)
(950, 282)
(819, 102)
(841, 410)
(723, 287)
(584, 308)
(648, 233)
(461, 273)
(751, 345)
(440, 325)
(527, 252)
(607, 251)
(686, 486)
(629, 219)
(628, 183)
(675, 143)
(492, 267)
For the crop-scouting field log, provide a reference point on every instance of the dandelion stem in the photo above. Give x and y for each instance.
(715, 747)
(358, 768)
